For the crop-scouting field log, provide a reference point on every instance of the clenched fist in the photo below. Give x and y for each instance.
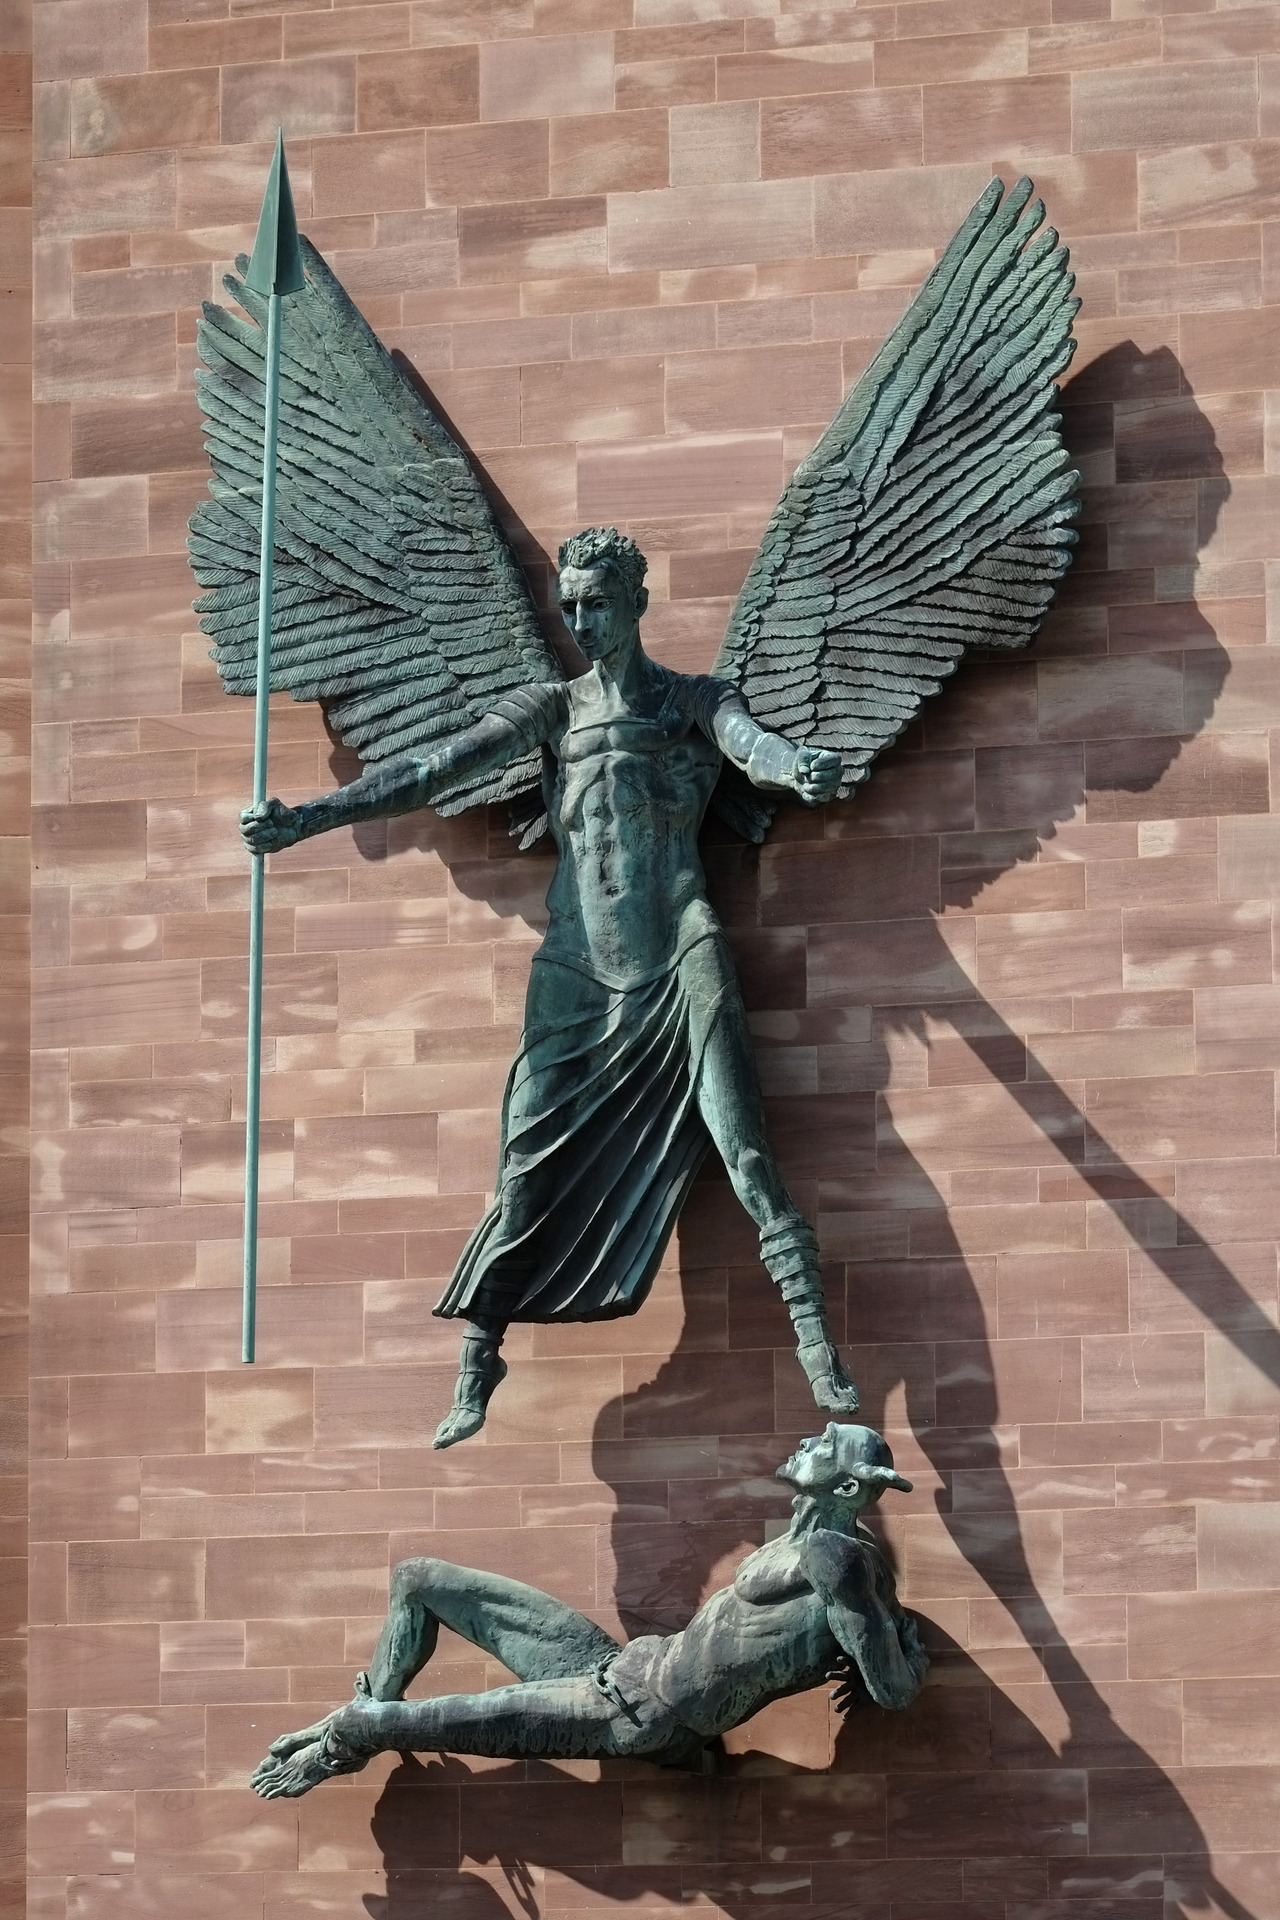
(816, 774)
(269, 826)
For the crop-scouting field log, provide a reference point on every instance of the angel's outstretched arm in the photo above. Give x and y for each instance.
(518, 723)
(767, 759)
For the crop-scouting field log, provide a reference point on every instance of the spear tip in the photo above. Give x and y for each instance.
(276, 266)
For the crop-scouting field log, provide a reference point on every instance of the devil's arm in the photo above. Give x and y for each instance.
(864, 1615)
(516, 724)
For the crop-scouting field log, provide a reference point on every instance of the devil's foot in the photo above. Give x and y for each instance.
(309, 1767)
(299, 1761)
(290, 1743)
(832, 1388)
(476, 1384)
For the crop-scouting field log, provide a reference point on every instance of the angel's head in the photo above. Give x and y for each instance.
(601, 590)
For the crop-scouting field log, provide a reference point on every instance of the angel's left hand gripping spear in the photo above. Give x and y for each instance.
(274, 270)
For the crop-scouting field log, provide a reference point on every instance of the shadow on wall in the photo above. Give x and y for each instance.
(966, 1774)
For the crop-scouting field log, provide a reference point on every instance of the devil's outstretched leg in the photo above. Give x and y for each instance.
(535, 1636)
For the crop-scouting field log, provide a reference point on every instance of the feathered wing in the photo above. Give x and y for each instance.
(397, 599)
(933, 515)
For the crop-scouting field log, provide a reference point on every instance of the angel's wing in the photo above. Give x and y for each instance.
(397, 599)
(933, 513)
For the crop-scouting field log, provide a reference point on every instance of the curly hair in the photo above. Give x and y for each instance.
(606, 547)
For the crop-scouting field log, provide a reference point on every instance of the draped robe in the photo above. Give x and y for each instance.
(601, 1133)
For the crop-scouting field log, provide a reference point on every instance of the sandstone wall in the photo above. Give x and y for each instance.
(1016, 1006)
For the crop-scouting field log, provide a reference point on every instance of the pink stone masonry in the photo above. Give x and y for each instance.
(1017, 1006)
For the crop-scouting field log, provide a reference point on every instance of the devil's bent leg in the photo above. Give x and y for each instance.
(534, 1635)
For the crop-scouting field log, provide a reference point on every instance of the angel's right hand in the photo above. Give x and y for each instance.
(269, 826)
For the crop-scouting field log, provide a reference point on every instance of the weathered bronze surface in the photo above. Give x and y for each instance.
(931, 516)
(817, 1604)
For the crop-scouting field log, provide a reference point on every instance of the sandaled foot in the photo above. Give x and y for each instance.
(832, 1388)
(304, 1760)
(477, 1380)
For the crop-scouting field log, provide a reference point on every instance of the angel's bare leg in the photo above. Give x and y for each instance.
(729, 1100)
(536, 1637)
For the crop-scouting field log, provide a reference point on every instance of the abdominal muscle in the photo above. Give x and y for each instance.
(736, 1656)
(625, 807)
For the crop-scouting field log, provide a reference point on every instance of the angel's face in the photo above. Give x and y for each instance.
(598, 610)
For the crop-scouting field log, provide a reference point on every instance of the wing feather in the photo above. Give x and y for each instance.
(397, 600)
(934, 514)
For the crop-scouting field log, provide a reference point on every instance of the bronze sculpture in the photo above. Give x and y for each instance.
(819, 1603)
(931, 516)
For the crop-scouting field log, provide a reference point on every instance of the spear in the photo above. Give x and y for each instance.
(274, 270)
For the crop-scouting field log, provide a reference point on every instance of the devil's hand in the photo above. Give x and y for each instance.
(269, 826)
(816, 775)
(850, 1690)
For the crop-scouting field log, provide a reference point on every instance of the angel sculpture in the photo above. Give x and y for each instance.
(931, 516)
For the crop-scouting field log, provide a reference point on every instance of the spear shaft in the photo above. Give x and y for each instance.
(253, 1087)
(275, 269)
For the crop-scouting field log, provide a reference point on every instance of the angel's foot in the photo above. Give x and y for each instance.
(482, 1369)
(341, 1743)
(832, 1388)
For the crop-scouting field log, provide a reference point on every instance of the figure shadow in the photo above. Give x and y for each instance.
(721, 1410)
(899, 1309)
(638, 1838)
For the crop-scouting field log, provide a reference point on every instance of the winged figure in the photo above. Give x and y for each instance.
(931, 517)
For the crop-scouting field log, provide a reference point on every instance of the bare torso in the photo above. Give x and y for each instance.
(765, 1636)
(626, 797)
